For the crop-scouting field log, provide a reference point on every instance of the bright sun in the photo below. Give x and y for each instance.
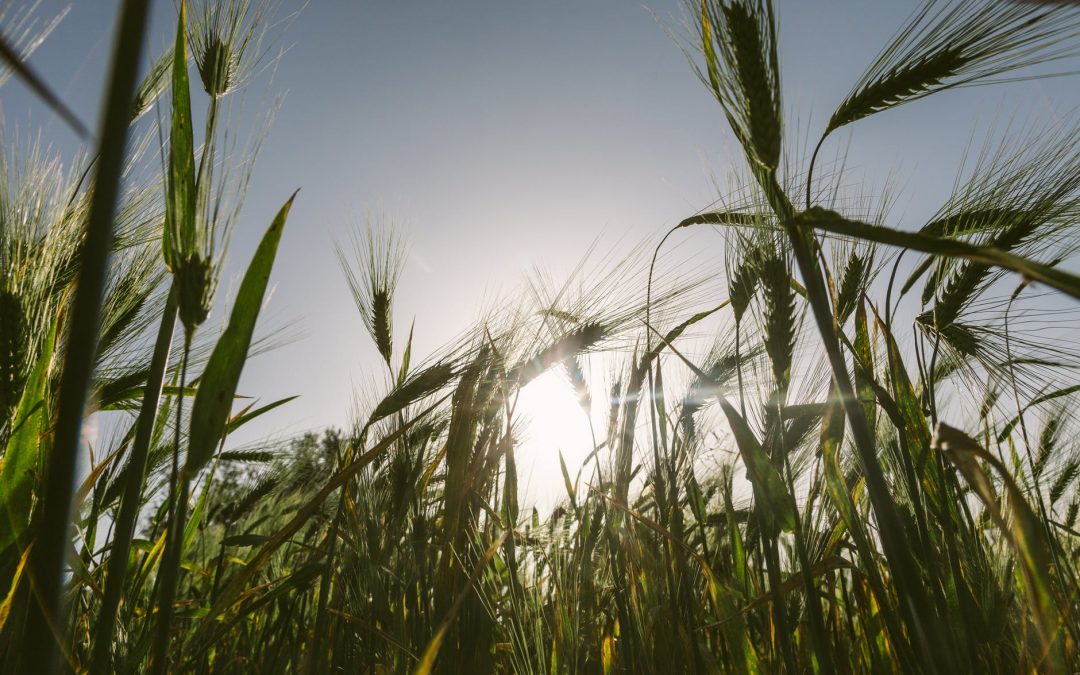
(553, 422)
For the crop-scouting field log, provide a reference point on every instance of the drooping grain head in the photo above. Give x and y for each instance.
(756, 82)
(953, 44)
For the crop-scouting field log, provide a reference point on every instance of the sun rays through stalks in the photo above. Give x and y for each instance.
(844, 442)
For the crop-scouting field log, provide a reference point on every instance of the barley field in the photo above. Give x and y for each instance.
(871, 466)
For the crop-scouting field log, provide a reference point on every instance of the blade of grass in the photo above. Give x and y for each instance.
(25, 447)
(31, 78)
(210, 411)
(769, 489)
(131, 499)
(830, 221)
(47, 561)
(1025, 534)
(236, 585)
(213, 400)
(427, 661)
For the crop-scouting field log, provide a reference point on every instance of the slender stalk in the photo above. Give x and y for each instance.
(169, 570)
(54, 525)
(325, 581)
(914, 602)
(131, 499)
(810, 171)
(818, 636)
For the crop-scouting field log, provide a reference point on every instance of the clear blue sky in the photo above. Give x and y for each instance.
(503, 134)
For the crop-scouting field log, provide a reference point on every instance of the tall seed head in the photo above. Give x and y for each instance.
(372, 271)
(196, 280)
(779, 318)
(738, 41)
(227, 42)
(218, 67)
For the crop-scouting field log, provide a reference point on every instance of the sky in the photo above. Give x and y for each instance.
(501, 135)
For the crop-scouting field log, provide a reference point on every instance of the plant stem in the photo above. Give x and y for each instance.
(170, 564)
(924, 624)
(47, 619)
(131, 499)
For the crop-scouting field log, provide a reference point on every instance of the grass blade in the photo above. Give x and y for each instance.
(1024, 531)
(47, 561)
(24, 452)
(213, 401)
(830, 221)
(30, 76)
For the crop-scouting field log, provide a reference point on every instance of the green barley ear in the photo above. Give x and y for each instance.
(953, 45)
(217, 67)
(1070, 513)
(852, 284)
(573, 342)
(420, 385)
(1065, 478)
(153, 85)
(1018, 197)
(1049, 444)
(743, 285)
(779, 321)
(738, 41)
(226, 42)
(575, 370)
(903, 83)
(372, 272)
(196, 281)
(960, 43)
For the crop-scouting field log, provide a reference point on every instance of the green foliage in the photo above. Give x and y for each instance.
(25, 452)
(810, 521)
(217, 388)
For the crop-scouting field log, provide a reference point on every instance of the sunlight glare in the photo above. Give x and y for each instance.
(553, 422)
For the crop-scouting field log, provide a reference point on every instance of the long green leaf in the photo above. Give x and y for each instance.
(427, 662)
(22, 457)
(180, 177)
(830, 221)
(775, 502)
(1025, 532)
(81, 338)
(213, 401)
(247, 415)
(825, 220)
